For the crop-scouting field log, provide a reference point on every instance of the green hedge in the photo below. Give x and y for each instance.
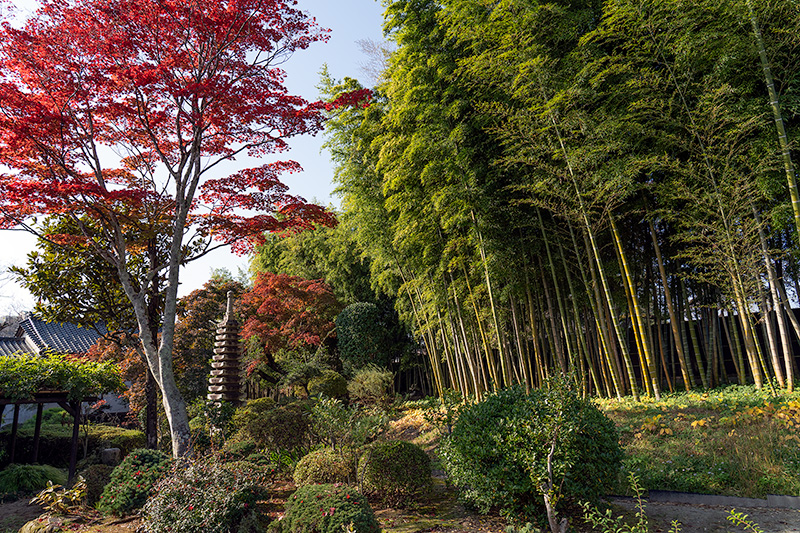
(55, 442)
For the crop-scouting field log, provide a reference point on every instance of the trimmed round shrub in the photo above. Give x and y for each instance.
(371, 385)
(96, 478)
(498, 450)
(278, 427)
(208, 496)
(327, 509)
(132, 481)
(394, 472)
(325, 466)
(330, 384)
(18, 479)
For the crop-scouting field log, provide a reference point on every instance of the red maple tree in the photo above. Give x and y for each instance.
(122, 116)
(288, 312)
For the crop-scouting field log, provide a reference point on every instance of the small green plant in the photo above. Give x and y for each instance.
(327, 509)
(285, 460)
(325, 466)
(133, 480)
(19, 479)
(607, 523)
(207, 496)
(524, 528)
(394, 472)
(442, 412)
(741, 519)
(59, 500)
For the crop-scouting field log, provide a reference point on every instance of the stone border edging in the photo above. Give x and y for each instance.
(772, 501)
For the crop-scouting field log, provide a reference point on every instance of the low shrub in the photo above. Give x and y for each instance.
(497, 454)
(330, 384)
(238, 449)
(132, 481)
(275, 427)
(325, 466)
(208, 496)
(18, 480)
(394, 472)
(371, 385)
(327, 509)
(339, 426)
(261, 459)
(96, 478)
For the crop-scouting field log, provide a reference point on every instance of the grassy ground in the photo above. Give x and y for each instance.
(734, 441)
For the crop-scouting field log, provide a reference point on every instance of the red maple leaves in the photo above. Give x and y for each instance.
(288, 312)
(131, 106)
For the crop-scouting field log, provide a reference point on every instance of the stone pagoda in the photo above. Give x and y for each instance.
(225, 383)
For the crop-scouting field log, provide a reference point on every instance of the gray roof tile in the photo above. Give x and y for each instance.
(13, 345)
(63, 338)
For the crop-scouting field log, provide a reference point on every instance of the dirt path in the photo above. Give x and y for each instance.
(712, 518)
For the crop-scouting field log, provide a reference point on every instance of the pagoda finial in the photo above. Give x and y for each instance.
(229, 309)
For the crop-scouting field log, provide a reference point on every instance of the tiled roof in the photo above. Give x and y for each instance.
(63, 338)
(13, 345)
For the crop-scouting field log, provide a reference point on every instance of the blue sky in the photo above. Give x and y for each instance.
(349, 22)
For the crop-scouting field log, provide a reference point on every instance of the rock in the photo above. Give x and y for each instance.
(111, 456)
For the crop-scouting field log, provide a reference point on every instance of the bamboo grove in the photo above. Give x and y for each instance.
(601, 190)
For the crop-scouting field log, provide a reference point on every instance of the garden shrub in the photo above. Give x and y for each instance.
(96, 478)
(498, 449)
(273, 426)
(55, 441)
(325, 466)
(261, 459)
(327, 509)
(132, 481)
(339, 426)
(371, 385)
(238, 449)
(208, 496)
(330, 384)
(394, 472)
(17, 479)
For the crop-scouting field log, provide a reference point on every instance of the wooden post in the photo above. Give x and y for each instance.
(37, 432)
(73, 454)
(14, 426)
